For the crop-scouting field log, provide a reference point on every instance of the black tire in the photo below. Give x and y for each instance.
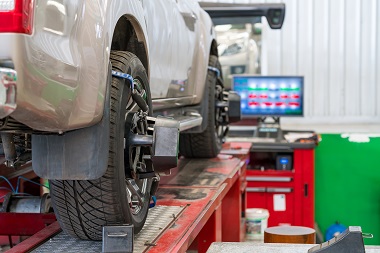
(208, 143)
(83, 207)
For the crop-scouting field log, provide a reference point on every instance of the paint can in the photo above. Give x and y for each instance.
(256, 222)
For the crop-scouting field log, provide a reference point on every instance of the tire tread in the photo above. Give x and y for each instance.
(205, 144)
(83, 207)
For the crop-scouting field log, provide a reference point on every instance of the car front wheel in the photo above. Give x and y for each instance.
(83, 207)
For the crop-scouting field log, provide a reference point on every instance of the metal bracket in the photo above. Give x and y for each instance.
(135, 95)
(117, 239)
(165, 144)
(153, 204)
(234, 110)
(124, 76)
(217, 71)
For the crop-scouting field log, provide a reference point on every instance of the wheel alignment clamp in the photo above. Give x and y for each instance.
(124, 76)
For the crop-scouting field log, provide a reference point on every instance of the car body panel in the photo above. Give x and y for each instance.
(167, 66)
(62, 66)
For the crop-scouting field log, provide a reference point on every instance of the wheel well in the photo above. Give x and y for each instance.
(214, 48)
(125, 39)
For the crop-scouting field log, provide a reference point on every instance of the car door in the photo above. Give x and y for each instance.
(171, 26)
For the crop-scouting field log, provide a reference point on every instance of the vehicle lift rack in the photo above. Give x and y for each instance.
(202, 201)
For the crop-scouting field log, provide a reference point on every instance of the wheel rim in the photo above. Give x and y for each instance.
(134, 155)
(219, 114)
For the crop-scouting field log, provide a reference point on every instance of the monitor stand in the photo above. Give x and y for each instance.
(269, 129)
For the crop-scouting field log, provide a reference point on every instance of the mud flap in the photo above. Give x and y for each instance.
(77, 155)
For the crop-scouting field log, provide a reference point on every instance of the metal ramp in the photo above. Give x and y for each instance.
(159, 218)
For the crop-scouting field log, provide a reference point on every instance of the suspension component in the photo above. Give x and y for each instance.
(16, 148)
(9, 149)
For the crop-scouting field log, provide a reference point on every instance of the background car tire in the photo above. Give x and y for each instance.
(83, 207)
(208, 143)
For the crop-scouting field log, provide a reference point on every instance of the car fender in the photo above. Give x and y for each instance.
(201, 59)
(82, 154)
(62, 66)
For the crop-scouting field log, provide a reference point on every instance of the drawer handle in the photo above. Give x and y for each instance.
(270, 179)
(255, 189)
(279, 189)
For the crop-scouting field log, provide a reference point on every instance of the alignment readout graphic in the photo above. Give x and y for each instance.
(270, 96)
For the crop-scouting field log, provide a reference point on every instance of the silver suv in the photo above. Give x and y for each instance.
(84, 86)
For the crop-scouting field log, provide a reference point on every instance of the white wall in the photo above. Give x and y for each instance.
(335, 44)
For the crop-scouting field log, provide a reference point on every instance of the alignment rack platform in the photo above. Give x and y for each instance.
(203, 201)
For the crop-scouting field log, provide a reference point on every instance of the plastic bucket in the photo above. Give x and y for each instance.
(256, 222)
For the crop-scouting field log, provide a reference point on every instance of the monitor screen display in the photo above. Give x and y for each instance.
(269, 95)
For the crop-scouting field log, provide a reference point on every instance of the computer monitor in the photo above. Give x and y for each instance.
(270, 96)
(263, 97)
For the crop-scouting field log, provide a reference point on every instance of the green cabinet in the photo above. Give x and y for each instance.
(347, 183)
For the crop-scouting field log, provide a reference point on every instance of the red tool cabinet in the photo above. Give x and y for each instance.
(287, 194)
